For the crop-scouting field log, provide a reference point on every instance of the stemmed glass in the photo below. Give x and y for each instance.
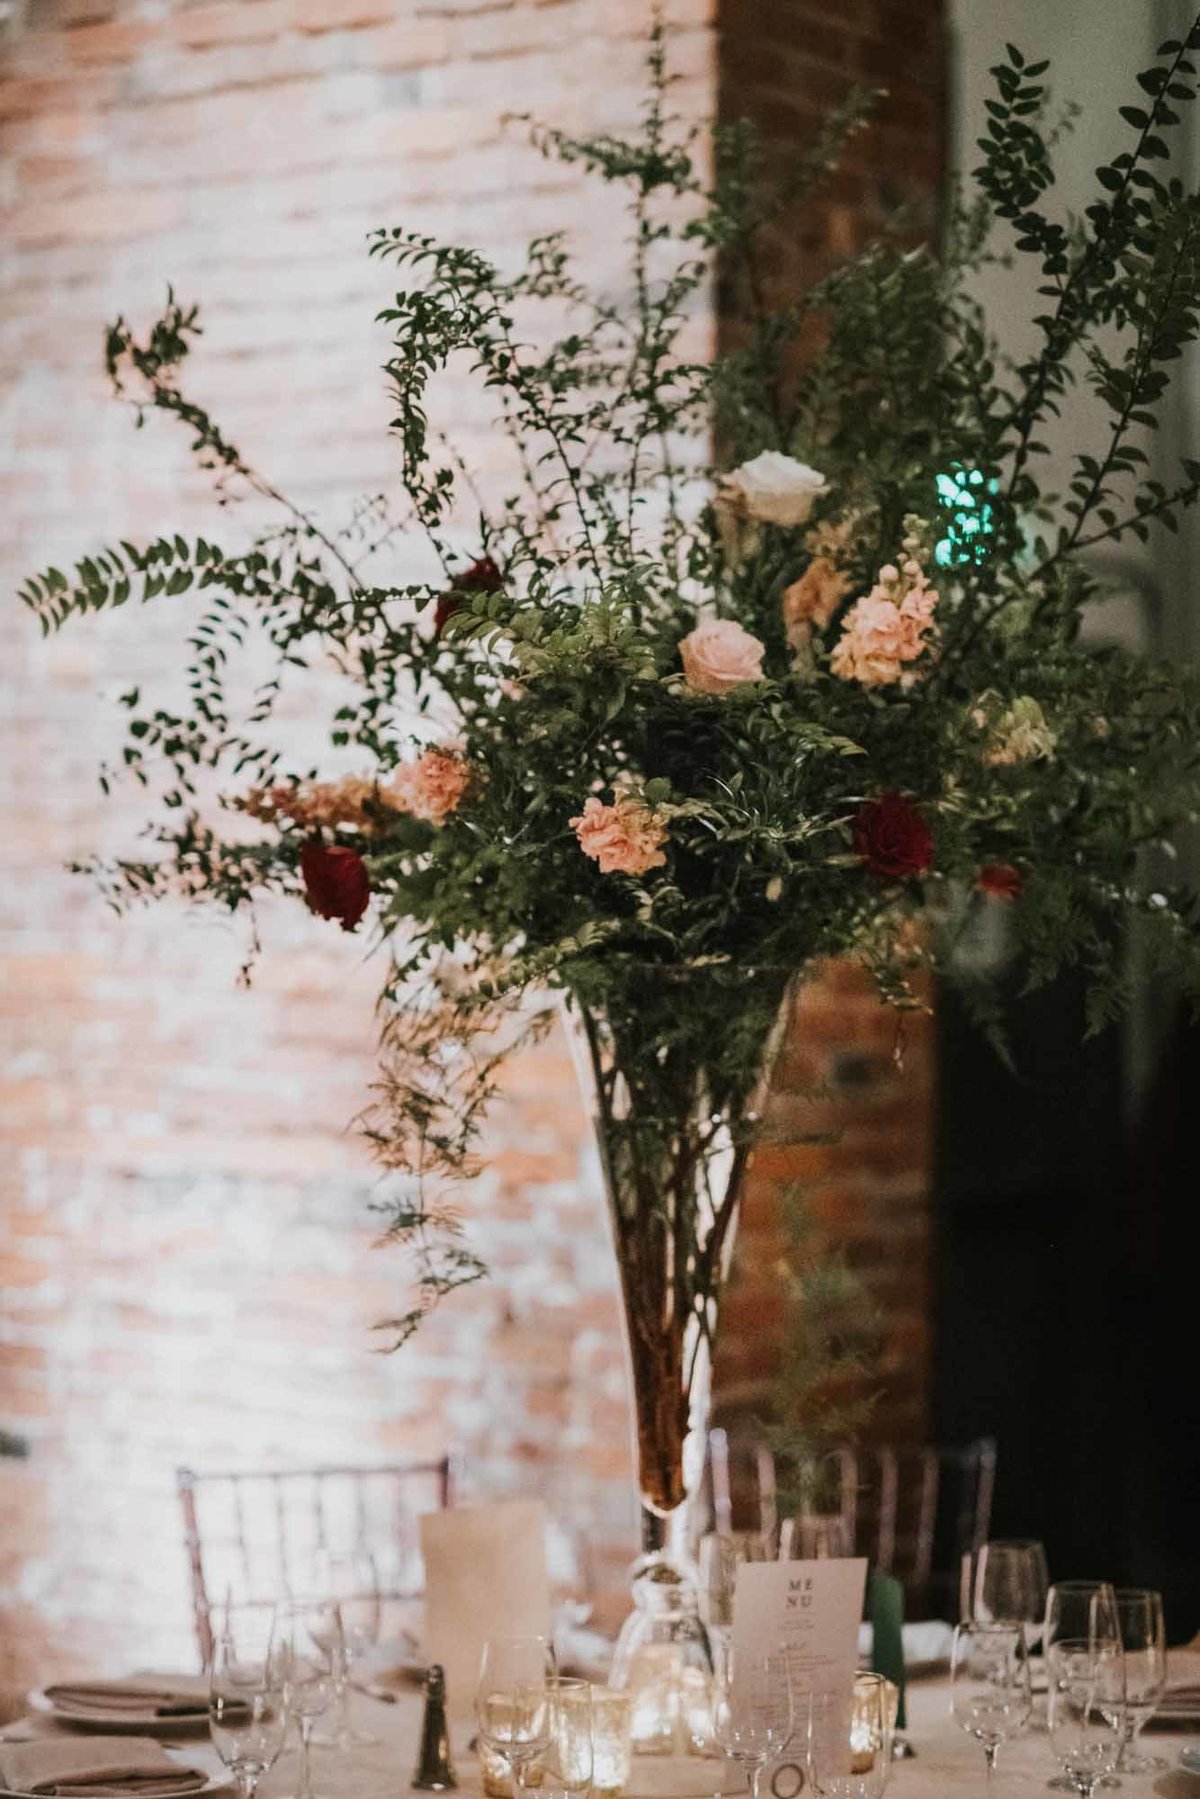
(991, 1690)
(1081, 1611)
(309, 1635)
(1143, 1639)
(849, 1749)
(247, 1713)
(351, 1582)
(1006, 1582)
(513, 1710)
(754, 1710)
(564, 1767)
(1086, 1708)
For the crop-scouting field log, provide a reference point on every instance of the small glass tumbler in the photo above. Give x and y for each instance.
(612, 1741)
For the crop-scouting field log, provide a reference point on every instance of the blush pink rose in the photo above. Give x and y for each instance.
(719, 656)
(432, 787)
(624, 838)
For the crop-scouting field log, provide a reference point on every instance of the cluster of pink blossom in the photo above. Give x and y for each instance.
(888, 630)
(624, 838)
(430, 788)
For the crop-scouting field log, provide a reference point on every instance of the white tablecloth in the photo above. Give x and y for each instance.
(948, 1765)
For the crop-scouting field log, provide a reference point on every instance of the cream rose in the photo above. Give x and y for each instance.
(772, 489)
(719, 656)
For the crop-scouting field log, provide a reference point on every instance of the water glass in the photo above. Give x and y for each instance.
(308, 1634)
(1086, 1709)
(349, 1580)
(1143, 1639)
(721, 1554)
(1006, 1582)
(754, 1710)
(563, 1770)
(848, 1753)
(512, 1700)
(991, 1692)
(247, 1714)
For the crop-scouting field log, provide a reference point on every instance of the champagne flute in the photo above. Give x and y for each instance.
(351, 1582)
(754, 1710)
(512, 1699)
(247, 1713)
(1006, 1582)
(1086, 1708)
(849, 1747)
(1143, 1639)
(308, 1633)
(991, 1692)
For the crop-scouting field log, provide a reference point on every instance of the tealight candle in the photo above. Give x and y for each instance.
(612, 1744)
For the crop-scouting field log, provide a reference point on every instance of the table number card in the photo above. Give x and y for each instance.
(810, 1609)
(485, 1575)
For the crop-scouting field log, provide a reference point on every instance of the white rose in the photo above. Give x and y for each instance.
(773, 489)
(1021, 734)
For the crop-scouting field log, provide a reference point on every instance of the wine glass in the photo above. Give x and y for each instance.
(990, 1687)
(563, 1769)
(1081, 1610)
(350, 1581)
(754, 1710)
(1006, 1582)
(308, 1633)
(1143, 1639)
(247, 1714)
(849, 1747)
(513, 1699)
(1086, 1708)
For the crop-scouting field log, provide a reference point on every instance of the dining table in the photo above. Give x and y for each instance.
(946, 1764)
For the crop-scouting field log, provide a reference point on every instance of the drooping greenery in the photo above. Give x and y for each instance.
(553, 660)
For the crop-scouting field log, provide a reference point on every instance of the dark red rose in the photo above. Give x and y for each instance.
(335, 880)
(1001, 880)
(892, 838)
(482, 577)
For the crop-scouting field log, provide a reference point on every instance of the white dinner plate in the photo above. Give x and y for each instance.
(135, 1724)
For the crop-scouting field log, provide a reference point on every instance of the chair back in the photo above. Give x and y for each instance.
(912, 1511)
(256, 1533)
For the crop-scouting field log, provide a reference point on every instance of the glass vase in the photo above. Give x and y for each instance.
(674, 1063)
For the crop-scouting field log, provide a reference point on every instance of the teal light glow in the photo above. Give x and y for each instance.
(964, 493)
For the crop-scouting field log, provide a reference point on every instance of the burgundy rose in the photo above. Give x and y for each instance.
(482, 577)
(335, 880)
(1001, 880)
(893, 838)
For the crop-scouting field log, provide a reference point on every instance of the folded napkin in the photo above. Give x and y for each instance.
(161, 1695)
(80, 1766)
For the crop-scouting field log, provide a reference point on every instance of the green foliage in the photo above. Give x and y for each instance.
(615, 535)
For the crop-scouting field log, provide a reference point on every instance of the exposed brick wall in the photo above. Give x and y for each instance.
(784, 63)
(186, 1270)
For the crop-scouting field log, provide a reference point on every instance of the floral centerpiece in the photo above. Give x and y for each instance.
(660, 732)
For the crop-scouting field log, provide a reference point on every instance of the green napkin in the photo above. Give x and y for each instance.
(885, 1608)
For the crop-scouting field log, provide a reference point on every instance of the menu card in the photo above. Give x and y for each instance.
(811, 1611)
(485, 1576)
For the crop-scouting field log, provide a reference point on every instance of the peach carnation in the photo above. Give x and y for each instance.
(719, 656)
(624, 838)
(432, 787)
(887, 630)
